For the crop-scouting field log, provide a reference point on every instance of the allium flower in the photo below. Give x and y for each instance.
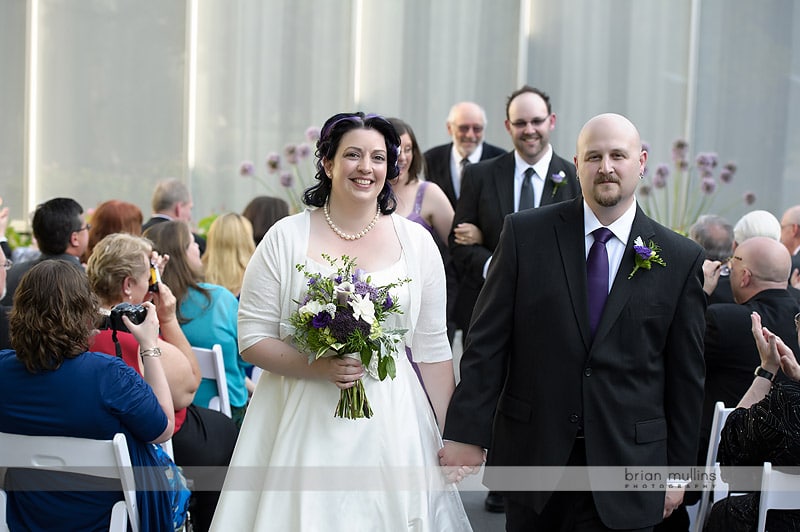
(286, 179)
(706, 161)
(708, 185)
(290, 152)
(679, 150)
(645, 190)
(661, 175)
(312, 134)
(645, 146)
(749, 197)
(344, 322)
(273, 163)
(726, 176)
(247, 169)
(303, 150)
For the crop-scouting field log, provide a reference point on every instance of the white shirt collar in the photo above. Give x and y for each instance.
(621, 227)
(540, 167)
(473, 158)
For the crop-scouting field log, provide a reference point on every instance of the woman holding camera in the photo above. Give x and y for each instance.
(51, 384)
(119, 272)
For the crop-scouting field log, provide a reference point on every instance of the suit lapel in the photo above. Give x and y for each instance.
(503, 178)
(623, 287)
(571, 247)
(547, 191)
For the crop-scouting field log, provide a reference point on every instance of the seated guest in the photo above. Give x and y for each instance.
(229, 246)
(60, 232)
(263, 211)
(764, 427)
(207, 313)
(172, 200)
(51, 384)
(715, 235)
(119, 271)
(113, 216)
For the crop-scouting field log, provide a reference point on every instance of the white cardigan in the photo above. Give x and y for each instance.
(272, 284)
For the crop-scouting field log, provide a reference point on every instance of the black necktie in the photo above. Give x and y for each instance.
(464, 163)
(597, 275)
(526, 192)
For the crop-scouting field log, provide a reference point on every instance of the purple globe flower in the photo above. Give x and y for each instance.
(303, 150)
(660, 176)
(726, 176)
(646, 146)
(273, 163)
(679, 150)
(290, 152)
(246, 169)
(312, 134)
(286, 179)
(645, 190)
(749, 197)
(706, 161)
(708, 185)
(344, 324)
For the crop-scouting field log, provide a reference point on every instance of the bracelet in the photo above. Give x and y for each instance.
(153, 352)
(761, 372)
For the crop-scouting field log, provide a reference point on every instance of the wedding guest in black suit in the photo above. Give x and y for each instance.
(758, 275)
(715, 235)
(3, 226)
(61, 233)
(444, 164)
(173, 201)
(626, 373)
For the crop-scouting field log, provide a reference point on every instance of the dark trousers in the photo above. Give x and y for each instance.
(206, 439)
(566, 511)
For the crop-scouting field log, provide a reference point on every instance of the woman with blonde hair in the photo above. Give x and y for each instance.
(229, 246)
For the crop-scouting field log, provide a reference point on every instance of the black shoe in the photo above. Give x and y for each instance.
(494, 503)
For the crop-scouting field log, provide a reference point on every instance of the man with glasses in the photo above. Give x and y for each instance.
(444, 164)
(61, 233)
(758, 271)
(529, 176)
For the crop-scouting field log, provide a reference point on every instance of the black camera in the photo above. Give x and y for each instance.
(135, 313)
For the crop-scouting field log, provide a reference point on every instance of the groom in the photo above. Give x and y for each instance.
(575, 362)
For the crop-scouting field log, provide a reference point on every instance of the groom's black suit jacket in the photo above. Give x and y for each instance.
(636, 389)
(487, 196)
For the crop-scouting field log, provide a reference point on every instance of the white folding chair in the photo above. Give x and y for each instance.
(712, 467)
(212, 367)
(779, 491)
(98, 458)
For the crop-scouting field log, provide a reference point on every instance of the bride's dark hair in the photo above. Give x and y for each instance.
(330, 137)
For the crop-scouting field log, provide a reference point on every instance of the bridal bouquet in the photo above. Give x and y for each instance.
(343, 315)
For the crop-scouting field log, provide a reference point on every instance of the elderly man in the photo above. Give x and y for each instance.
(444, 164)
(575, 308)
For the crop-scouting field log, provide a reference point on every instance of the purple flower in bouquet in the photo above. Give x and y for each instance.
(290, 152)
(364, 289)
(247, 169)
(345, 324)
(321, 320)
(286, 179)
(273, 163)
(312, 134)
(388, 302)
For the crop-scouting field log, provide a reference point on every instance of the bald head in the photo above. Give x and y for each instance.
(790, 229)
(610, 161)
(465, 125)
(767, 259)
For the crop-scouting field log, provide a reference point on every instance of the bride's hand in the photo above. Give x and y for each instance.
(343, 372)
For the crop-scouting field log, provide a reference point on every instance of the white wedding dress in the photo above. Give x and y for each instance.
(296, 467)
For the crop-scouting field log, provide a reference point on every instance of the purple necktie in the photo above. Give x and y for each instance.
(597, 275)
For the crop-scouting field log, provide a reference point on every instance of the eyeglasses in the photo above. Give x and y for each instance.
(84, 228)
(732, 257)
(535, 122)
(464, 128)
(8, 264)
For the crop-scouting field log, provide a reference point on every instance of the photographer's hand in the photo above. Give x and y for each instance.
(146, 333)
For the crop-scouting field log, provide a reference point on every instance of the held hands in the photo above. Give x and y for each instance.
(460, 459)
(467, 234)
(146, 333)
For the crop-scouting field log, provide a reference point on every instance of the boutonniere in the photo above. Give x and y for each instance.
(645, 256)
(558, 181)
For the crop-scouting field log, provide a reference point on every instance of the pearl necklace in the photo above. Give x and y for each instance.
(347, 236)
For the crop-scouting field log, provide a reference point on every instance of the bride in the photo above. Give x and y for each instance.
(296, 466)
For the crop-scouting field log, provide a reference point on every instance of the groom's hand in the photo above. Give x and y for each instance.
(460, 459)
